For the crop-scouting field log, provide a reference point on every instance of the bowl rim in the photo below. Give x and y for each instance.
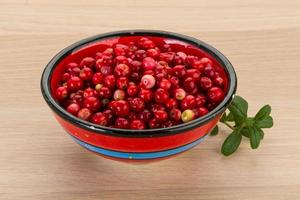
(46, 91)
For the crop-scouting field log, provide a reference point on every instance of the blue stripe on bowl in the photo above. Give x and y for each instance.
(138, 155)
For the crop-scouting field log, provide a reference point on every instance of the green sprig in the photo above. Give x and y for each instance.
(236, 118)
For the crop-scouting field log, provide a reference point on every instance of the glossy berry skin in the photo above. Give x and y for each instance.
(146, 95)
(110, 81)
(165, 84)
(89, 92)
(205, 83)
(175, 114)
(132, 90)
(215, 95)
(121, 50)
(86, 74)
(156, 107)
(200, 100)
(121, 108)
(202, 111)
(172, 103)
(88, 62)
(97, 78)
(187, 115)
(121, 122)
(99, 118)
(73, 108)
(189, 102)
(145, 115)
(137, 124)
(160, 115)
(153, 53)
(137, 104)
(148, 81)
(219, 81)
(92, 103)
(161, 96)
(104, 92)
(149, 63)
(179, 71)
(84, 114)
(75, 83)
(108, 114)
(194, 74)
(66, 76)
(189, 84)
(153, 123)
(122, 83)
(61, 93)
(136, 66)
(122, 70)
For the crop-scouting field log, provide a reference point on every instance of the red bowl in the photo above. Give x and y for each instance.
(138, 145)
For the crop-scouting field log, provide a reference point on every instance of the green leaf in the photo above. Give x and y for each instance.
(265, 123)
(231, 143)
(263, 113)
(230, 117)
(255, 137)
(215, 131)
(245, 132)
(224, 117)
(261, 132)
(239, 108)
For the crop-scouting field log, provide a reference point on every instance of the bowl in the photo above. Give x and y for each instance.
(135, 145)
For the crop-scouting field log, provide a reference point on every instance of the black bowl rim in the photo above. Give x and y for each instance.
(45, 86)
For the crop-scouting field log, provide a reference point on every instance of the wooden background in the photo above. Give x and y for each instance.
(39, 161)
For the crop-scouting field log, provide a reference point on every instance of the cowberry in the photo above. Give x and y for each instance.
(137, 124)
(121, 108)
(215, 94)
(161, 96)
(99, 118)
(61, 93)
(75, 83)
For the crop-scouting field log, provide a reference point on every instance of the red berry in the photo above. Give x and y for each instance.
(71, 65)
(215, 95)
(199, 66)
(121, 108)
(153, 53)
(122, 60)
(179, 94)
(122, 83)
(104, 92)
(147, 44)
(206, 61)
(121, 50)
(98, 78)
(172, 103)
(161, 96)
(75, 83)
(137, 124)
(209, 71)
(200, 100)
(87, 62)
(84, 114)
(110, 81)
(121, 122)
(219, 81)
(140, 54)
(189, 102)
(193, 73)
(137, 104)
(136, 66)
(167, 57)
(73, 108)
(165, 84)
(61, 93)
(205, 83)
(160, 115)
(156, 107)
(106, 70)
(122, 70)
(108, 114)
(202, 111)
(153, 123)
(66, 76)
(149, 63)
(148, 81)
(86, 74)
(146, 95)
(89, 92)
(145, 115)
(132, 90)
(174, 81)
(92, 103)
(179, 71)
(99, 118)
(189, 84)
(175, 114)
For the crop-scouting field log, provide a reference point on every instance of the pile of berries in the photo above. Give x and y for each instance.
(140, 85)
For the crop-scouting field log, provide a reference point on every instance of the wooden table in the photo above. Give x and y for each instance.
(39, 161)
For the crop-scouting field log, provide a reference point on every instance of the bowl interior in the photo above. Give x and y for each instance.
(90, 49)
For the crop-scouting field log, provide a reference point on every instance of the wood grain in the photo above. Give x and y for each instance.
(39, 161)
